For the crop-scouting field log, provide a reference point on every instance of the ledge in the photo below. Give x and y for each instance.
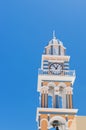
(56, 111)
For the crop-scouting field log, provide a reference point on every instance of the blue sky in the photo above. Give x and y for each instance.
(25, 28)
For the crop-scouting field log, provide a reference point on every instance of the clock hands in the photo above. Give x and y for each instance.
(54, 65)
(55, 68)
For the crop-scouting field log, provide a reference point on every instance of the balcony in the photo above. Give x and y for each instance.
(55, 76)
(58, 73)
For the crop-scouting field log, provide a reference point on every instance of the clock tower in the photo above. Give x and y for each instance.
(55, 85)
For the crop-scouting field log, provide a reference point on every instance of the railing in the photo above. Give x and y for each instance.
(60, 73)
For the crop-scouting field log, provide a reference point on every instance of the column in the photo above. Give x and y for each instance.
(42, 99)
(44, 125)
(67, 100)
(64, 100)
(70, 101)
(54, 101)
(46, 99)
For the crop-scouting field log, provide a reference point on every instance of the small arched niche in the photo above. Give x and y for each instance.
(44, 124)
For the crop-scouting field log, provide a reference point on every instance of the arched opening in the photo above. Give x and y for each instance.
(49, 101)
(62, 95)
(57, 123)
(51, 95)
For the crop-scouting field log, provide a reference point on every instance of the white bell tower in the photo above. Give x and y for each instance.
(55, 85)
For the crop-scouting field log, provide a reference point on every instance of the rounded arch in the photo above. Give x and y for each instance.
(51, 87)
(51, 84)
(58, 118)
(62, 88)
(62, 84)
(43, 119)
(44, 88)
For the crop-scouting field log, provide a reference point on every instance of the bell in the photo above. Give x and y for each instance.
(57, 128)
(55, 123)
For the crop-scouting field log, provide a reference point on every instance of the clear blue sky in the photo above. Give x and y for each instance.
(25, 28)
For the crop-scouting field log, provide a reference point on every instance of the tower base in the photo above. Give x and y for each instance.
(46, 117)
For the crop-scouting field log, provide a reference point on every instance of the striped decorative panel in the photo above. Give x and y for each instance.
(66, 65)
(45, 64)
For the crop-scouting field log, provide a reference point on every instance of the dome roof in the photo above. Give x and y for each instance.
(55, 47)
(55, 41)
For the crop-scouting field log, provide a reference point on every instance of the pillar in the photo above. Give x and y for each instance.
(54, 101)
(42, 99)
(46, 99)
(64, 100)
(69, 103)
(44, 125)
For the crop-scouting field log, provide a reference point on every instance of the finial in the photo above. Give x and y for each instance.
(54, 34)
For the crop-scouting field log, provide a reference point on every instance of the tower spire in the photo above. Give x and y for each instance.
(54, 37)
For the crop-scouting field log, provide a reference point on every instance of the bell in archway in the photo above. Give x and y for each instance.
(55, 124)
(57, 128)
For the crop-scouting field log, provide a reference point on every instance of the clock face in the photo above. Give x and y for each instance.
(55, 68)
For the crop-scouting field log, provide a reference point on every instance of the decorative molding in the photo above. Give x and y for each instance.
(59, 118)
(51, 84)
